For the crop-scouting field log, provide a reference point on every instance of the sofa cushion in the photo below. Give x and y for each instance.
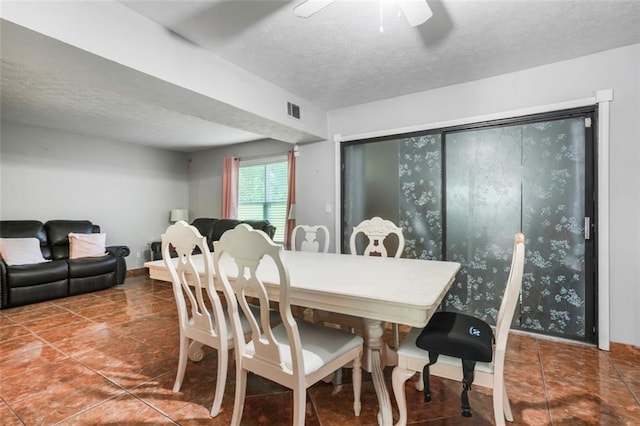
(20, 251)
(26, 229)
(39, 273)
(90, 266)
(58, 234)
(205, 226)
(221, 226)
(262, 225)
(87, 245)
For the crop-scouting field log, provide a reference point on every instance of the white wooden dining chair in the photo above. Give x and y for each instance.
(293, 354)
(201, 315)
(316, 238)
(376, 230)
(412, 359)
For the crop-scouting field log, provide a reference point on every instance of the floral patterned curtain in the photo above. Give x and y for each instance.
(462, 195)
(553, 292)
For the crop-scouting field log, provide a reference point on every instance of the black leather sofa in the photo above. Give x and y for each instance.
(59, 276)
(213, 230)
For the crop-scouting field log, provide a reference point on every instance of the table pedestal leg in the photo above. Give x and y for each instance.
(195, 351)
(374, 360)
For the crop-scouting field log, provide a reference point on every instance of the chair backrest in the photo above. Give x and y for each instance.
(238, 255)
(511, 295)
(376, 229)
(310, 242)
(195, 316)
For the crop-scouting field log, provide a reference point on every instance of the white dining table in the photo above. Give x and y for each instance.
(379, 290)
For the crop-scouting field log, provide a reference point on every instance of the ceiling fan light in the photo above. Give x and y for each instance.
(417, 12)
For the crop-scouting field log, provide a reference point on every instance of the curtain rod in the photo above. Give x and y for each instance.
(263, 157)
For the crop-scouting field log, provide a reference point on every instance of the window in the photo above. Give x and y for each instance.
(262, 193)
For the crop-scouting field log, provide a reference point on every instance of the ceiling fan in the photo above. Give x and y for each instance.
(416, 11)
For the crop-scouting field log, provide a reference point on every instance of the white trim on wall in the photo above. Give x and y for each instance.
(602, 98)
(257, 161)
(470, 120)
(338, 191)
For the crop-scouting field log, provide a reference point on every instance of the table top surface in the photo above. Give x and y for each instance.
(405, 291)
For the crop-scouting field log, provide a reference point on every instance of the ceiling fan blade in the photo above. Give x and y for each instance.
(309, 7)
(416, 11)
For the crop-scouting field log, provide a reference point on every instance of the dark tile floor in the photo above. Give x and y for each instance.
(110, 358)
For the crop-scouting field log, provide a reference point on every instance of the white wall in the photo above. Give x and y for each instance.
(126, 189)
(617, 69)
(315, 175)
(205, 172)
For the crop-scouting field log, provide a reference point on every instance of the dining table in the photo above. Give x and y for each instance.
(377, 289)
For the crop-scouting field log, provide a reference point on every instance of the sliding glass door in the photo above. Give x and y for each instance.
(483, 213)
(462, 194)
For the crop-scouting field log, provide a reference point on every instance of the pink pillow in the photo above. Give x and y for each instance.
(86, 245)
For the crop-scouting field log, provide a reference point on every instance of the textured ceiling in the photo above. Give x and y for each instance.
(51, 101)
(336, 58)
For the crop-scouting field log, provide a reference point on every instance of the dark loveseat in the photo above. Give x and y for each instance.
(59, 276)
(213, 230)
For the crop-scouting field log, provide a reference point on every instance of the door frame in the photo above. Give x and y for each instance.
(602, 99)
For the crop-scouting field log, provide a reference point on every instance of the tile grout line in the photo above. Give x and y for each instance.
(544, 383)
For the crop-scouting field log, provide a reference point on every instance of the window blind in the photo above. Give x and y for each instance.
(262, 194)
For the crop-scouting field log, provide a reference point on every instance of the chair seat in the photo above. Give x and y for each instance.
(320, 345)
(412, 357)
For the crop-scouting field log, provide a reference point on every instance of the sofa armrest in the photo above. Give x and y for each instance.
(120, 252)
(156, 250)
(270, 230)
(262, 225)
(3, 285)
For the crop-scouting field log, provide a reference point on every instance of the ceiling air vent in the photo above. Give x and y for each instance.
(293, 110)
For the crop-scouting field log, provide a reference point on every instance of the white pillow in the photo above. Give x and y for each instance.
(21, 251)
(86, 245)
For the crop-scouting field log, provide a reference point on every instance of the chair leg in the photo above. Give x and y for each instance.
(498, 411)
(398, 378)
(182, 363)
(241, 389)
(299, 406)
(396, 336)
(337, 381)
(223, 362)
(500, 401)
(357, 384)
(501, 406)
(419, 384)
(507, 406)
